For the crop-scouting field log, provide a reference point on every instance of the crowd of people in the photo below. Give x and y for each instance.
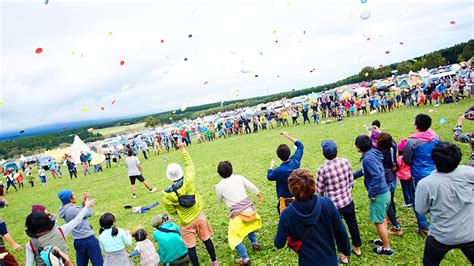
(311, 207)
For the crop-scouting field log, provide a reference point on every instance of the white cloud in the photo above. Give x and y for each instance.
(227, 37)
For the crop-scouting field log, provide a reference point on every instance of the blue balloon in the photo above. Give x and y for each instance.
(46, 2)
(443, 121)
(363, 1)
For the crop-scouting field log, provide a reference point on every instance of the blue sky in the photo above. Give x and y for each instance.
(79, 66)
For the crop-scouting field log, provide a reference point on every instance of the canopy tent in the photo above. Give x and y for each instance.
(77, 146)
(44, 159)
(10, 165)
(22, 158)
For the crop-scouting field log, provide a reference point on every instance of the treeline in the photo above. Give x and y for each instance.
(27, 145)
(35, 144)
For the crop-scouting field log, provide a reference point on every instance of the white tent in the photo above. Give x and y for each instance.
(77, 146)
(22, 158)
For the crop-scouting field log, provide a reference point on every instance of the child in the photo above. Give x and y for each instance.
(31, 179)
(10, 180)
(374, 130)
(71, 166)
(42, 175)
(377, 190)
(19, 179)
(144, 247)
(316, 117)
(435, 96)
(85, 168)
(171, 247)
(405, 176)
(352, 110)
(112, 241)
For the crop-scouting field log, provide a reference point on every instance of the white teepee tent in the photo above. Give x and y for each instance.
(77, 146)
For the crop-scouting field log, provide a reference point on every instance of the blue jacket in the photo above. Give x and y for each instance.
(326, 232)
(373, 172)
(282, 172)
(417, 154)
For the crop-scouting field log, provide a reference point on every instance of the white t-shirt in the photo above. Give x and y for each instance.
(132, 162)
(232, 190)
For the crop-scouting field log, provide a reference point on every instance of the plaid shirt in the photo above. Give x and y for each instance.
(335, 181)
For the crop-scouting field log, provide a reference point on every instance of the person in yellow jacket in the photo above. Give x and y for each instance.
(182, 199)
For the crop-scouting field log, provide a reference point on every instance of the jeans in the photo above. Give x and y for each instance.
(435, 251)
(241, 248)
(420, 217)
(407, 188)
(88, 249)
(144, 154)
(348, 214)
(392, 213)
(108, 164)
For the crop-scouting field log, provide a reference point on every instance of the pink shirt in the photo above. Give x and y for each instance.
(404, 170)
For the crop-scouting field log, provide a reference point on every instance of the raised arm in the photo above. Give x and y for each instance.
(188, 162)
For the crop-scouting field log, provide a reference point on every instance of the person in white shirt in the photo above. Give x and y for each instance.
(135, 172)
(244, 220)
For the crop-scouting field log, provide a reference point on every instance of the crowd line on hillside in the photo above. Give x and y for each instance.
(312, 207)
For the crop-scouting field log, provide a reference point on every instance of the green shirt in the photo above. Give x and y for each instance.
(170, 245)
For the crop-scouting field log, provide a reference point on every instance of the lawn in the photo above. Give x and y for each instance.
(250, 156)
(120, 129)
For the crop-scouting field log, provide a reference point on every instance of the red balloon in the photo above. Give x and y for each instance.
(276, 41)
(64, 127)
(122, 63)
(402, 43)
(387, 52)
(162, 41)
(380, 65)
(39, 50)
(102, 108)
(368, 39)
(452, 22)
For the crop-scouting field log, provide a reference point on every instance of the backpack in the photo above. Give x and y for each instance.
(51, 257)
(37, 249)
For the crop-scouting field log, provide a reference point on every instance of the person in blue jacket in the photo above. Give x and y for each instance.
(417, 154)
(377, 189)
(311, 224)
(282, 172)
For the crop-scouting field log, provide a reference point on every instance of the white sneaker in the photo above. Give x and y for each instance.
(153, 190)
(134, 196)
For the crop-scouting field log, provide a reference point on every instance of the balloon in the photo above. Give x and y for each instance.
(368, 39)
(162, 41)
(46, 2)
(174, 112)
(452, 22)
(184, 107)
(64, 127)
(186, 59)
(85, 110)
(401, 43)
(113, 102)
(126, 87)
(363, 1)
(205, 82)
(365, 15)
(274, 31)
(1, 103)
(256, 76)
(387, 52)
(276, 41)
(102, 108)
(110, 33)
(190, 35)
(73, 52)
(22, 131)
(122, 63)
(90, 130)
(443, 121)
(39, 50)
(366, 74)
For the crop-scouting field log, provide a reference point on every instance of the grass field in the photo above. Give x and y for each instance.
(250, 156)
(120, 129)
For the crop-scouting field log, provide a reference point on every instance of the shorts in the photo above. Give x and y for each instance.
(134, 177)
(43, 179)
(379, 207)
(200, 227)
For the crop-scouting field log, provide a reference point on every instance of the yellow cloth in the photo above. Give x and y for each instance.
(284, 115)
(238, 229)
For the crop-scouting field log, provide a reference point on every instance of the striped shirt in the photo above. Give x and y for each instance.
(335, 181)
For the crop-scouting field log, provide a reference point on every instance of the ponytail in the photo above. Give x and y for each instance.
(107, 221)
(114, 231)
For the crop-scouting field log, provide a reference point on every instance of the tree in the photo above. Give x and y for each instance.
(404, 67)
(434, 59)
(467, 51)
(151, 121)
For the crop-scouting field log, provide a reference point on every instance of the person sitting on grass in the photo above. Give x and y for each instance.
(145, 248)
(447, 194)
(335, 180)
(281, 173)
(135, 173)
(311, 224)
(182, 199)
(377, 189)
(244, 219)
(171, 247)
(42, 231)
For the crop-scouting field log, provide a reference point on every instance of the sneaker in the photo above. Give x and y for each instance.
(134, 196)
(383, 251)
(256, 246)
(395, 232)
(422, 231)
(215, 263)
(357, 251)
(341, 261)
(153, 190)
(376, 242)
(242, 262)
(408, 205)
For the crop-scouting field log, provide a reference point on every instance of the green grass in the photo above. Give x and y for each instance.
(250, 156)
(120, 129)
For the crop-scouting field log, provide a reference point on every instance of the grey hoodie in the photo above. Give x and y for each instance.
(83, 229)
(449, 197)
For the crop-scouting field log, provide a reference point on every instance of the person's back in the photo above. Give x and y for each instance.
(170, 244)
(335, 180)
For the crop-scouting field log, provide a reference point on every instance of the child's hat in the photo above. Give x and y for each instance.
(157, 220)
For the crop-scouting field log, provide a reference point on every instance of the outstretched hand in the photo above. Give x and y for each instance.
(180, 145)
(89, 203)
(284, 134)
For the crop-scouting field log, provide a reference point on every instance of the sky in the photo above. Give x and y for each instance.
(184, 53)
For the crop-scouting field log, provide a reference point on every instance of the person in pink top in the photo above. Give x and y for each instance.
(405, 176)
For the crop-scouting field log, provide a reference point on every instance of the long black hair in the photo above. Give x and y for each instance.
(38, 222)
(107, 221)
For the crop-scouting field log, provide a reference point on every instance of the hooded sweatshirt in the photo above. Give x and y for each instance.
(450, 200)
(83, 229)
(326, 230)
(373, 172)
(417, 153)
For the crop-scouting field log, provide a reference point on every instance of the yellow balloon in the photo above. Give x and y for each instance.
(85, 110)
(184, 107)
(110, 33)
(73, 52)
(1, 103)
(274, 31)
(366, 74)
(126, 87)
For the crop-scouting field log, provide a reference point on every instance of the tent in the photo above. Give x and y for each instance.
(10, 165)
(77, 146)
(404, 83)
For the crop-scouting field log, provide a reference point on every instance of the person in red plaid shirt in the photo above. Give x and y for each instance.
(335, 181)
